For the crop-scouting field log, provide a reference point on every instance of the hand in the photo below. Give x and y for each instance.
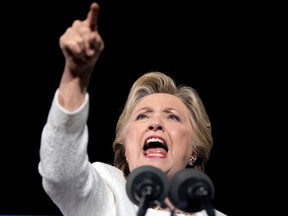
(81, 44)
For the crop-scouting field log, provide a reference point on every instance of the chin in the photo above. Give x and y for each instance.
(160, 166)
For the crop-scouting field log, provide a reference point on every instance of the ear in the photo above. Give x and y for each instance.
(192, 159)
(194, 156)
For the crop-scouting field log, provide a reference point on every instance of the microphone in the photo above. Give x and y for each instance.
(191, 190)
(147, 186)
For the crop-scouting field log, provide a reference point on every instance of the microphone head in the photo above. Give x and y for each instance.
(189, 188)
(145, 177)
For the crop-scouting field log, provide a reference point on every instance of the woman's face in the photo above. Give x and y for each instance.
(159, 133)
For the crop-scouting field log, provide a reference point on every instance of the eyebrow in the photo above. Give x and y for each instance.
(168, 109)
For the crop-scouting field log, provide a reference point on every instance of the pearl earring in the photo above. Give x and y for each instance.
(191, 161)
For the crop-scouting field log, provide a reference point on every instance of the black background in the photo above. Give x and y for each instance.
(220, 50)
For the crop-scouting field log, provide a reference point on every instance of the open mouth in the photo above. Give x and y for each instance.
(155, 147)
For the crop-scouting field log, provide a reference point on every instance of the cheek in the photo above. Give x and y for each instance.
(133, 149)
(183, 137)
(131, 136)
(132, 141)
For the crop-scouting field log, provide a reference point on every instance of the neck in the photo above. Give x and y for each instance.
(171, 208)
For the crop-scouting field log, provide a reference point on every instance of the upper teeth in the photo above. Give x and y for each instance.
(154, 140)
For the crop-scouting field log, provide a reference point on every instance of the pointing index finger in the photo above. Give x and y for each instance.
(92, 16)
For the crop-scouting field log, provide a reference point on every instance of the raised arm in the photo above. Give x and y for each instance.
(81, 45)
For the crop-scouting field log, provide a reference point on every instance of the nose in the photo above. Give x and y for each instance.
(155, 126)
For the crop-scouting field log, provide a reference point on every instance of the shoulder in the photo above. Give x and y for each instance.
(108, 171)
(203, 213)
(218, 213)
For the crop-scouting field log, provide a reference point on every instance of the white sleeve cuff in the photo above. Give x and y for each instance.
(67, 111)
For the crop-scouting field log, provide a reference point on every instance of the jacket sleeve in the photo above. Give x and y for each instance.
(67, 175)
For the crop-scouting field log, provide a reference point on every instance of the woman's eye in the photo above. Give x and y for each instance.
(141, 116)
(174, 117)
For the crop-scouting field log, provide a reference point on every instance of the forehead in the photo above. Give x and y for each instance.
(161, 100)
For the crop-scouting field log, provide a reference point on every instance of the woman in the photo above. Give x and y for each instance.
(161, 125)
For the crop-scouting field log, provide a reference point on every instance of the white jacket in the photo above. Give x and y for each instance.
(76, 186)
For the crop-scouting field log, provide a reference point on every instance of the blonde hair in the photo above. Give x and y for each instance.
(158, 82)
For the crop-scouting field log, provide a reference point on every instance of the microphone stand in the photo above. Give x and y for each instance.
(144, 202)
(206, 204)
